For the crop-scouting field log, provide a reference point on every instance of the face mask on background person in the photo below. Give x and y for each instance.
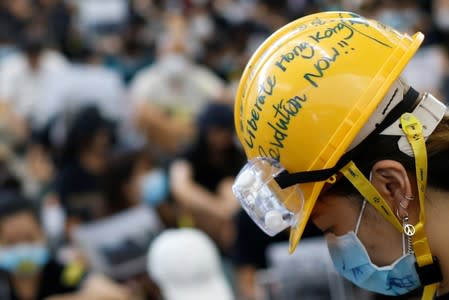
(175, 65)
(351, 260)
(440, 15)
(24, 259)
(154, 188)
(403, 20)
(202, 26)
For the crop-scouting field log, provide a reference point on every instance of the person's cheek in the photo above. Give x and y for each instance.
(320, 216)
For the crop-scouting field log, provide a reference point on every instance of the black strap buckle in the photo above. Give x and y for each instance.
(430, 273)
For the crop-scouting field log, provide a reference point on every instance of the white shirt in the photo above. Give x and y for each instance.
(58, 86)
(176, 85)
(22, 87)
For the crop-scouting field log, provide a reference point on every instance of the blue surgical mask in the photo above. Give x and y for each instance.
(154, 187)
(352, 261)
(24, 259)
(403, 20)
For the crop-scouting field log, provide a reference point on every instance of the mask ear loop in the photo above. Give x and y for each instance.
(359, 219)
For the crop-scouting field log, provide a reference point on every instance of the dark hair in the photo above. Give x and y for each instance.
(118, 172)
(86, 123)
(207, 173)
(215, 114)
(13, 203)
(32, 42)
(7, 179)
(386, 147)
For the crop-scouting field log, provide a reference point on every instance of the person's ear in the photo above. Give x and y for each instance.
(392, 181)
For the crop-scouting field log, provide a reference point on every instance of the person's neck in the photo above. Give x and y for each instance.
(219, 156)
(26, 288)
(437, 226)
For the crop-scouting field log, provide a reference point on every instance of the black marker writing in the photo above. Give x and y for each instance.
(265, 89)
(284, 111)
(330, 31)
(272, 152)
(304, 50)
(404, 282)
(320, 66)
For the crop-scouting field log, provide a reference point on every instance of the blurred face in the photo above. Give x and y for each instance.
(219, 139)
(94, 157)
(48, 3)
(403, 16)
(440, 4)
(23, 251)
(19, 229)
(440, 14)
(150, 184)
(100, 143)
(133, 189)
(20, 8)
(34, 61)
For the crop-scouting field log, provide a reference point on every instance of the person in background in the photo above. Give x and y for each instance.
(249, 252)
(27, 269)
(55, 15)
(16, 16)
(133, 177)
(168, 95)
(24, 75)
(8, 180)
(428, 70)
(201, 178)
(194, 273)
(440, 17)
(82, 164)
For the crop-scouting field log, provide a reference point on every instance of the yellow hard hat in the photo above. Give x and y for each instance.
(310, 88)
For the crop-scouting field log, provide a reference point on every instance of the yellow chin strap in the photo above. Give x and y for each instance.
(424, 259)
(366, 189)
(427, 266)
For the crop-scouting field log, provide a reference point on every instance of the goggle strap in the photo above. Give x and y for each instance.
(286, 179)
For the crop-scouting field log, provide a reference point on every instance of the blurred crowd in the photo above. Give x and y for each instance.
(116, 125)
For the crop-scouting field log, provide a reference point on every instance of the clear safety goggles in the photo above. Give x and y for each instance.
(271, 207)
